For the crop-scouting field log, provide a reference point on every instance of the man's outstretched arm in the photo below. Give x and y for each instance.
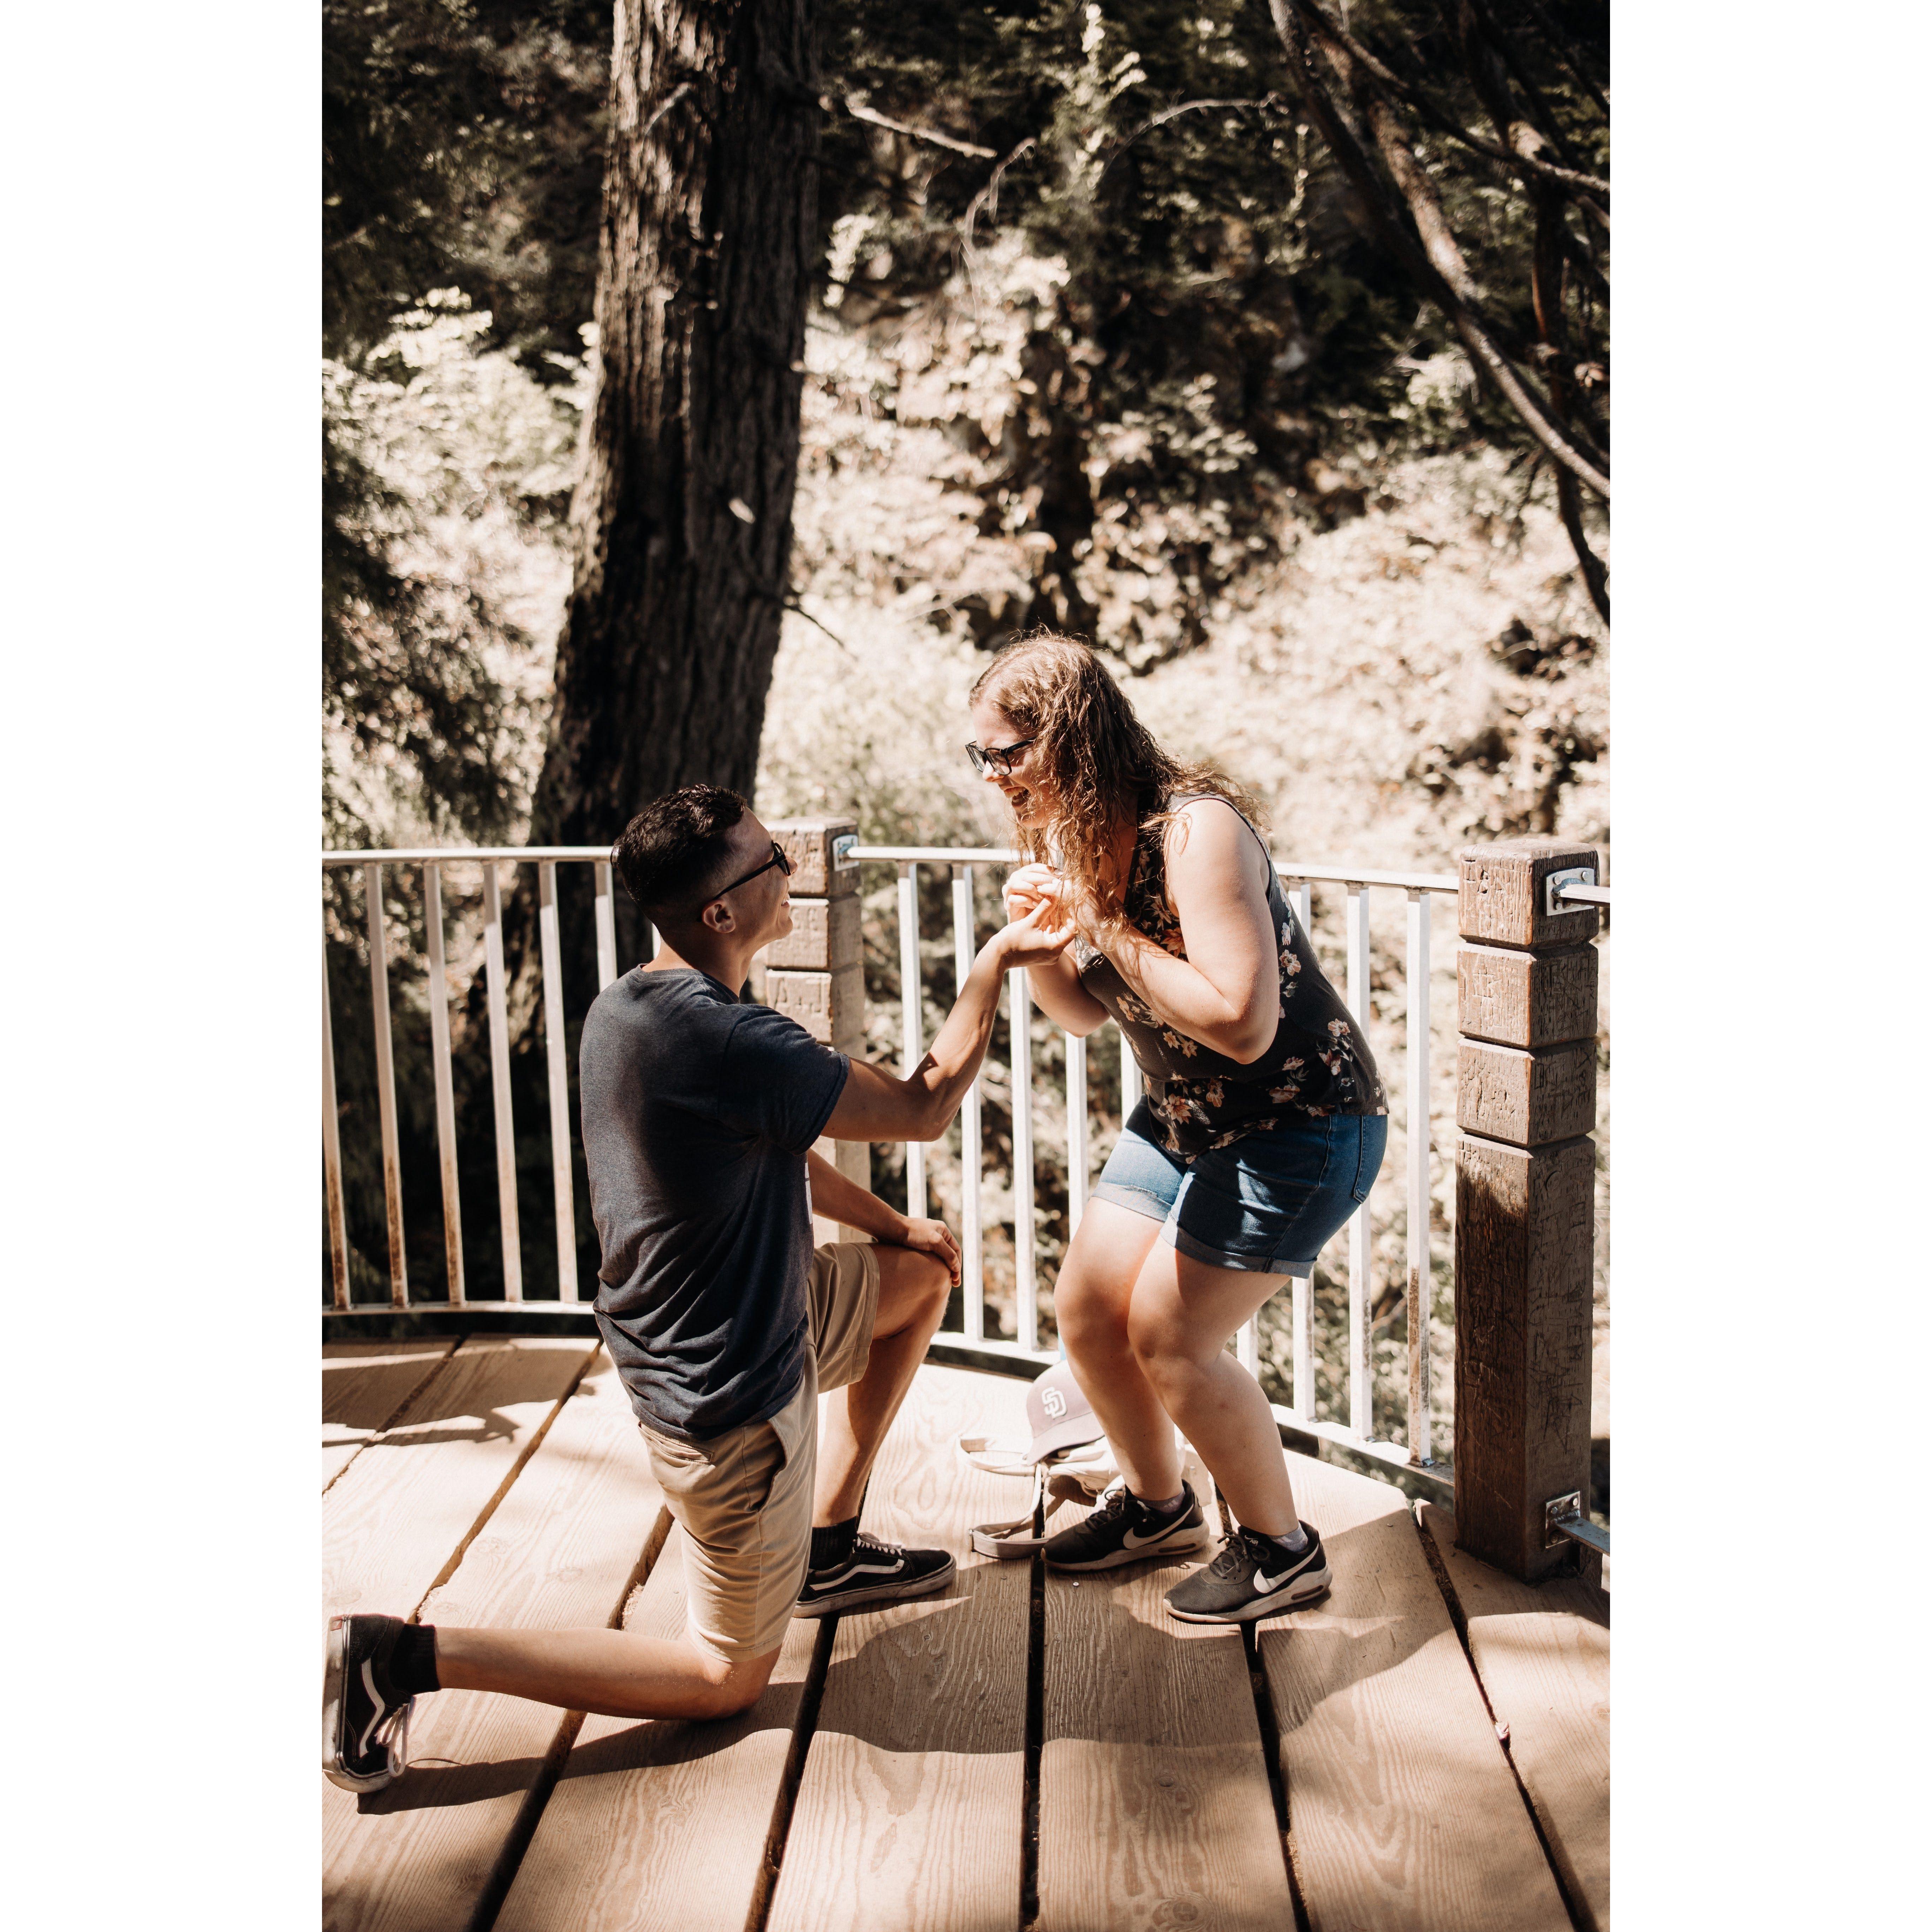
(876, 1107)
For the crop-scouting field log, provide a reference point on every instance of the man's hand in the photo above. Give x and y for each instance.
(1035, 939)
(933, 1238)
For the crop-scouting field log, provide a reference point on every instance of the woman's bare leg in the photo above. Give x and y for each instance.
(1182, 1313)
(1090, 1303)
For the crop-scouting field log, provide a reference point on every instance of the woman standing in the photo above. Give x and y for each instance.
(1262, 1127)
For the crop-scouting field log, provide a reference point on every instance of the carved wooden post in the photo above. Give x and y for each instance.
(816, 975)
(1526, 1102)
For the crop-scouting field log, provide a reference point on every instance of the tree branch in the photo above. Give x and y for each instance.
(1173, 114)
(987, 198)
(1559, 45)
(859, 112)
(1546, 285)
(1529, 166)
(1539, 111)
(1347, 142)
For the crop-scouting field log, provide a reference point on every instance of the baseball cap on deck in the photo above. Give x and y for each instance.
(1059, 1415)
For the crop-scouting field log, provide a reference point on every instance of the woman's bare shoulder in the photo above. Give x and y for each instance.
(1205, 830)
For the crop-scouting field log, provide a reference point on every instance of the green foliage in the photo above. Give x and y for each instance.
(1211, 358)
(462, 151)
(462, 145)
(446, 473)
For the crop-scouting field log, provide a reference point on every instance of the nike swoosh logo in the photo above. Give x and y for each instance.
(1134, 1542)
(1266, 1584)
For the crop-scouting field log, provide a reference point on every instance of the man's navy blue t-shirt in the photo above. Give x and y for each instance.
(698, 1110)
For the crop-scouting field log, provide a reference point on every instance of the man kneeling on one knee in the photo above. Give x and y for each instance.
(699, 1115)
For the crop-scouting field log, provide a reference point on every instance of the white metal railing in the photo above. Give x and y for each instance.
(1418, 888)
(1358, 882)
(546, 859)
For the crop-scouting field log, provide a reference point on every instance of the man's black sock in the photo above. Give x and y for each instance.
(832, 1545)
(413, 1662)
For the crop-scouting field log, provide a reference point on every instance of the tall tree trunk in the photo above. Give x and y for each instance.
(682, 517)
(683, 514)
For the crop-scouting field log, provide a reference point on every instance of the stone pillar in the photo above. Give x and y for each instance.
(816, 974)
(1526, 1195)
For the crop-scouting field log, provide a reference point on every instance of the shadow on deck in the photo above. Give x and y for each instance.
(1426, 1750)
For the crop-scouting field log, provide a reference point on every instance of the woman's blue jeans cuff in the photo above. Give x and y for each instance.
(1134, 1200)
(1183, 1242)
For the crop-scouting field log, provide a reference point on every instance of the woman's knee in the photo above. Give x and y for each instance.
(1163, 1346)
(1090, 1321)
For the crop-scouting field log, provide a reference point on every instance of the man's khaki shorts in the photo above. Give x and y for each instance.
(744, 1498)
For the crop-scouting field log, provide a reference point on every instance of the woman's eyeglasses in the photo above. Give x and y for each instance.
(778, 858)
(997, 759)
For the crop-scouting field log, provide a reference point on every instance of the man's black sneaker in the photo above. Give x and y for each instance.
(1123, 1529)
(365, 1721)
(1253, 1577)
(869, 1571)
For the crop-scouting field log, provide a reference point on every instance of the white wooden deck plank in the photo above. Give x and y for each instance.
(1543, 1654)
(1155, 1809)
(1403, 1814)
(397, 1515)
(559, 1551)
(661, 1826)
(365, 1386)
(909, 1813)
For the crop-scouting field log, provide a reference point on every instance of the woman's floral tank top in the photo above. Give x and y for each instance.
(1317, 1063)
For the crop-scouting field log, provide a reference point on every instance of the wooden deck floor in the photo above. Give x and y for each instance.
(1426, 1751)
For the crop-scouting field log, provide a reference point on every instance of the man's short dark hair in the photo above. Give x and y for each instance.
(677, 846)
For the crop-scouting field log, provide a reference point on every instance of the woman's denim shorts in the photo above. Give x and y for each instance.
(1267, 1203)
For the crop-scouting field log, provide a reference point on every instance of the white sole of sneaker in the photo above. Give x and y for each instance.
(1307, 1590)
(1182, 1543)
(865, 1593)
(335, 1671)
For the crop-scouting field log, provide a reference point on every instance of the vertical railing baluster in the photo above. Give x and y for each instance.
(607, 927)
(1361, 1402)
(1130, 1078)
(1248, 1346)
(1421, 1281)
(1301, 1396)
(445, 1096)
(910, 1031)
(385, 1086)
(1302, 1288)
(500, 1083)
(331, 1152)
(972, 1255)
(1076, 1131)
(1026, 1293)
(558, 1066)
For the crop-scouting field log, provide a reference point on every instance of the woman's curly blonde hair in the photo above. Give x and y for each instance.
(1104, 764)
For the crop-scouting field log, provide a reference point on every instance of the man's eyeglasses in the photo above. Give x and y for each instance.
(997, 759)
(778, 858)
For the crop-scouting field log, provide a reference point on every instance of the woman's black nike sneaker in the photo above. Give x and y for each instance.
(365, 1720)
(1253, 1577)
(1123, 1529)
